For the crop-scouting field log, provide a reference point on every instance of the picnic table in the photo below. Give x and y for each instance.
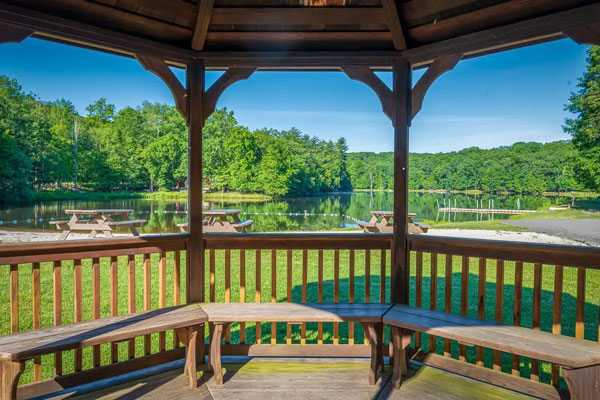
(381, 221)
(221, 221)
(101, 222)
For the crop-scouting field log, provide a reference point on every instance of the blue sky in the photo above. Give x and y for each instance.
(490, 101)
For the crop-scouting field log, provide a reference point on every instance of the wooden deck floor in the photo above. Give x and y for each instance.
(291, 379)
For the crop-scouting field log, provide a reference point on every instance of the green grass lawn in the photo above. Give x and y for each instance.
(568, 314)
(492, 225)
(558, 214)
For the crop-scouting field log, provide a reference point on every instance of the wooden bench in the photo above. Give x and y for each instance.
(133, 222)
(17, 348)
(367, 226)
(221, 315)
(580, 359)
(242, 226)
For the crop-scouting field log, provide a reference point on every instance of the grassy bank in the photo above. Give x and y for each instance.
(558, 214)
(493, 225)
(182, 195)
(568, 317)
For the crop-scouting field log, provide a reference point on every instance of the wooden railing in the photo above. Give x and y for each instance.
(548, 287)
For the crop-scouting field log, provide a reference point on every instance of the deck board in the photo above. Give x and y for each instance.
(291, 379)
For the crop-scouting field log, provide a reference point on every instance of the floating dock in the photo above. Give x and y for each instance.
(482, 210)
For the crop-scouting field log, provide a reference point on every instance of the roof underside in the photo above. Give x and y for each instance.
(299, 25)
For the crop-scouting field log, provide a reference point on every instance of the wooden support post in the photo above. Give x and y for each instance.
(401, 121)
(195, 84)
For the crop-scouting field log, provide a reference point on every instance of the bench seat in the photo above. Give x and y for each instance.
(580, 359)
(241, 226)
(369, 315)
(134, 222)
(367, 226)
(17, 348)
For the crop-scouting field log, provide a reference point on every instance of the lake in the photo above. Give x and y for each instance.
(324, 212)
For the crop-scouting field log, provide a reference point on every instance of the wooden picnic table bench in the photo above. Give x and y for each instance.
(369, 315)
(100, 222)
(219, 221)
(17, 348)
(386, 225)
(579, 359)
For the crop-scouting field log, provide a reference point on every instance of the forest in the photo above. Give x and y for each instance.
(144, 148)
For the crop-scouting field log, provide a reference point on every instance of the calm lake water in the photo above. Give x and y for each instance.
(324, 212)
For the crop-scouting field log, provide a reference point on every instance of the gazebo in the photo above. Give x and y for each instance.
(359, 38)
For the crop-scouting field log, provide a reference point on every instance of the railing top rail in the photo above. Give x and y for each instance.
(566, 255)
(343, 241)
(17, 253)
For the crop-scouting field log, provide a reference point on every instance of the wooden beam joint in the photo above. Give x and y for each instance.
(231, 76)
(394, 24)
(435, 70)
(205, 10)
(589, 34)
(159, 68)
(13, 34)
(368, 77)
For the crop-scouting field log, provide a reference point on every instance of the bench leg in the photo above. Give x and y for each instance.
(215, 350)
(189, 337)
(374, 332)
(583, 383)
(400, 340)
(10, 371)
(64, 235)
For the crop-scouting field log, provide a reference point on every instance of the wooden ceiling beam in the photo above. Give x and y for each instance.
(231, 76)
(394, 24)
(435, 70)
(205, 9)
(13, 34)
(298, 16)
(547, 27)
(159, 68)
(85, 35)
(587, 35)
(368, 77)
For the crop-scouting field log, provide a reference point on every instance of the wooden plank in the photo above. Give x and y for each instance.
(580, 313)
(176, 289)
(320, 293)
(131, 298)
(481, 286)
(447, 296)
(162, 295)
(389, 7)
(288, 337)
(464, 301)
(304, 291)
(212, 281)
(273, 292)
(517, 310)
(114, 301)
(257, 297)
(96, 304)
(14, 298)
(382, 274)
(557, 315)
(537, 313)
(77, 305)
(205, 8)
(418, 290)
(227, 287)
(147, 298)
(242, 292)
(336, 292)
(36, 315)
(351, 294)
(57, 309)
(433, 295)
(499, 307)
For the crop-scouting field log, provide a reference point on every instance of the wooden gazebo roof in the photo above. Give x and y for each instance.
(421, 29)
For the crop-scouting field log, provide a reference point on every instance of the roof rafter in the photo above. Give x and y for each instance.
(395, 24)
(205, 8)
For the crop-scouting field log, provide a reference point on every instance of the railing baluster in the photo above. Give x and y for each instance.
(418, 291)
(448, 297)
(14, 298)
(96, 303)
(114, 301)
(176, 288)
(273, 292)
(304, 291)
(212, 275)
(537, 312)
(57, 314)
(242, 292)
(382, 278)
(77, 303)
(131, 298)
(257, 296)
(433, 296)
(481, 285)
(162, 296)
(464, 300)
(556, 316)
(336, 292)
(518, 304)
(36, 315)
(499, 307)
(367, 283)
(580, 317)
(228, 288)
(320, 294)
(289, 277)
(147, 298)
(351, 296)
